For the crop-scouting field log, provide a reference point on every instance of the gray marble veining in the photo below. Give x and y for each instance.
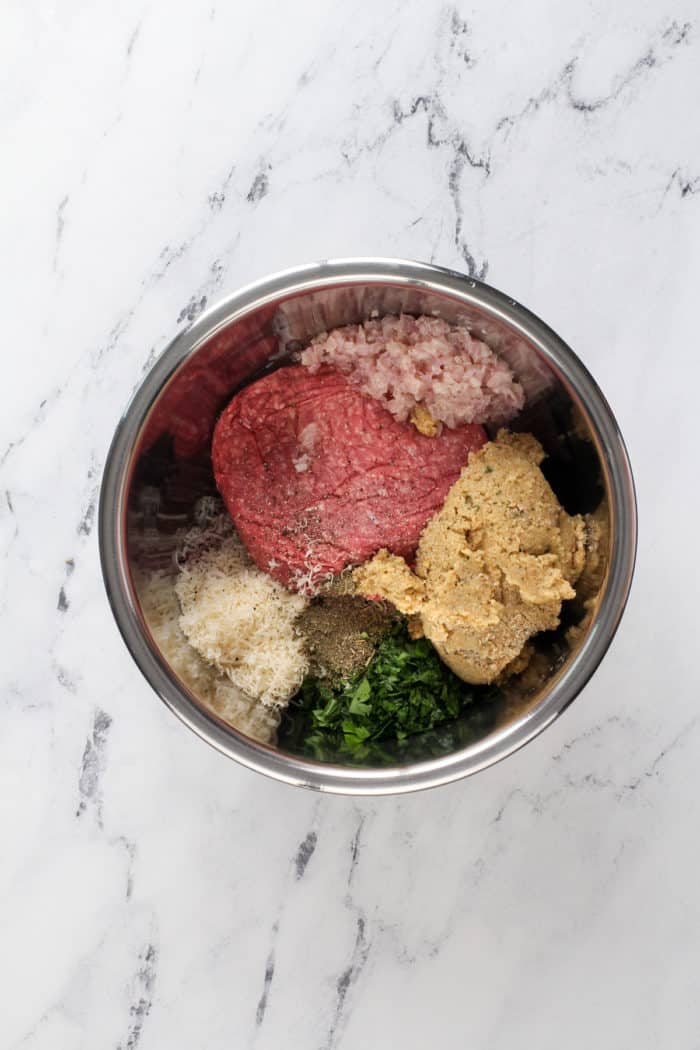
(157, 156)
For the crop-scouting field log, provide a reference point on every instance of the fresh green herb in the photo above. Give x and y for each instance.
(488, 469)
(376, 714)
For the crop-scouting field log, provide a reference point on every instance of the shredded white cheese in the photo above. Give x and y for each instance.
(214, 690)
(238, 618)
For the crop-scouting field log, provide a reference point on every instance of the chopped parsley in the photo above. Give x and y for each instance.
(376, 714)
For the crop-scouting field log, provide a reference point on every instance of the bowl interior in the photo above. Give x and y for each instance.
(170, 471)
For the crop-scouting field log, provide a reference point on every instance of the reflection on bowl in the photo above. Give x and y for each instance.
(158, 477)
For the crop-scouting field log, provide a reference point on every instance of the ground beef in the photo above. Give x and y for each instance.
(317, 476)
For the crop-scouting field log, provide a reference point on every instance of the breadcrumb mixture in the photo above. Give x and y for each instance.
(493, 566)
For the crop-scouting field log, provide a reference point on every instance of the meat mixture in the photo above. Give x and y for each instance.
(382, 563)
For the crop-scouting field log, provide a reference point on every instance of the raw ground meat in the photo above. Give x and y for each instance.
(409, 361)
(317, 476)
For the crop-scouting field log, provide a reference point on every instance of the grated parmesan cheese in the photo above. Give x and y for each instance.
(214, 690)
(238, 618)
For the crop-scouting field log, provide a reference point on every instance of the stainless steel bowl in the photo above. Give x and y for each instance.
(158, 465)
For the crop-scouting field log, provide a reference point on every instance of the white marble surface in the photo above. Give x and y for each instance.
(152, 893)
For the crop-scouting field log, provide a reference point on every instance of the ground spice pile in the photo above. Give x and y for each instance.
(342, 631)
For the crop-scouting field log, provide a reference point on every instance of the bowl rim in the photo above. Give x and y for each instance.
(567, 685)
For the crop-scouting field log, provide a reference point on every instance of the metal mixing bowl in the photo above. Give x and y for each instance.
(158, 466)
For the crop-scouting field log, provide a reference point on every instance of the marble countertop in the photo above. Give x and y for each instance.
(157, 156)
